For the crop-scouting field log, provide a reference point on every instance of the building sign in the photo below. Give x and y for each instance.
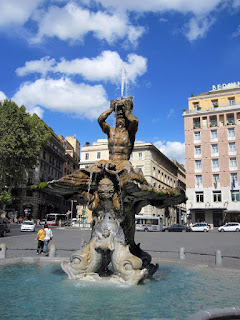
(224, 86)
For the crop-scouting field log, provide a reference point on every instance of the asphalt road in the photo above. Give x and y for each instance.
(200, 247)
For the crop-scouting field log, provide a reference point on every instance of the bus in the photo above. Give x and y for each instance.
(148, 223)
(53, 218)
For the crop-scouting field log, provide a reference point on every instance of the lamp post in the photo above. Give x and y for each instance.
(71, 210)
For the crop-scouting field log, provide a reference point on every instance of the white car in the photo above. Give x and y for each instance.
(28, 226)
(230, 226)
(204, 227)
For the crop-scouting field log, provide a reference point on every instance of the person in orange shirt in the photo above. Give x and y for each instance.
(40, 237)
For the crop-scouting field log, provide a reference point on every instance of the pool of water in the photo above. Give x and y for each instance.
(42, 291)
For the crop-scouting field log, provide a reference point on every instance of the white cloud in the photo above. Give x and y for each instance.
(39, 111)
(171, 113)
(236, 33)
(105, 67)
(236, 3)
(2, 96)
(63, 95)
(73, 23)
(173, 150)
(183, 6)
(198, 27)
(41, 66)
(15, 12)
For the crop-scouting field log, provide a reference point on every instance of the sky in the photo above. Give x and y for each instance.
(66, 60)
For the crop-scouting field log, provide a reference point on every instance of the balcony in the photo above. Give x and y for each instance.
(221, 107)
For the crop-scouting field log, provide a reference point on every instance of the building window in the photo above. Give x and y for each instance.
(198, 164)
(232, 148)
(231, 101)
(214, 149)
(234, 180)
(215, 164)
(140, 156)
(196, 106)
(131, 157)
(214, 103)
(87, 156)
(197, 136)
(199, 197)
(196, 123)
(216, 180)
(213, 121)
(231, 133)
(154, 171)
(198, 151)
(159, 174)
(214, 135)
(198, 180)
(217, 196)
(233, 163)
(230, 119)
(98, 155)
(235, 195)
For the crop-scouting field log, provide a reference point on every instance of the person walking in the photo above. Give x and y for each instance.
(40, 237)
(47, 238)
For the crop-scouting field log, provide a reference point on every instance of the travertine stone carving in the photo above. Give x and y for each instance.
(115, 192)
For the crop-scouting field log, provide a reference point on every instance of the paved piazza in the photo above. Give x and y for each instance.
(199, 247)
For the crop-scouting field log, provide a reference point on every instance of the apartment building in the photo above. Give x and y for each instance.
(212, 141)
(158, 170)
(31, 201)
(72, 154)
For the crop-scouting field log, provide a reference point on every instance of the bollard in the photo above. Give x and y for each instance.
(218, 258)
(3, 250)
(52, 250)
(182, 253)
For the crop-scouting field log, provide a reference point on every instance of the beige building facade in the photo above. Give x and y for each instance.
(212, 148)
(158, 170)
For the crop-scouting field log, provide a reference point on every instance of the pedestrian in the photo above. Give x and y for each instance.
(47, 238)
(40, 237)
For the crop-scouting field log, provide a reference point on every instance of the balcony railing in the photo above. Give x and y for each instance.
(221, 107)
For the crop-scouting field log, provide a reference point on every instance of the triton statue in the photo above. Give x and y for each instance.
(115, 192)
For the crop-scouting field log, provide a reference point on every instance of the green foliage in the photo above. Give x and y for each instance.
(5, 198)
(43, 185)
(40, 186)
(22, 136)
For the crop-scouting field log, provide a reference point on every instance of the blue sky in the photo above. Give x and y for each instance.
(63, 60)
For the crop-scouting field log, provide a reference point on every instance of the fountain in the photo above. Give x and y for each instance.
(115, 192)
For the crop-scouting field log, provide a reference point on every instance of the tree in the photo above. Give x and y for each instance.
(22, 136)
(5, 198)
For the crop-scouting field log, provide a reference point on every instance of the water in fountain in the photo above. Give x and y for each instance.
(177, 292)
(83, 241)
(120, 194)
(124, 83)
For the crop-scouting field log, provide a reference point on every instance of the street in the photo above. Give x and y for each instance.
(200, 247)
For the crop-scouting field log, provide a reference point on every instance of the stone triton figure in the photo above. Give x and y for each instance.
(115, 192)
(120, 139)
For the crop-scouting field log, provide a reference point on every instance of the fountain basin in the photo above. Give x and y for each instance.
(41, 290)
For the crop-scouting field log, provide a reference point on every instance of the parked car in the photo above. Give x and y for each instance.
(2, 229)
(6, 224)
(204, 227)
(230, 226)
(177, 228)
(28, 226)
